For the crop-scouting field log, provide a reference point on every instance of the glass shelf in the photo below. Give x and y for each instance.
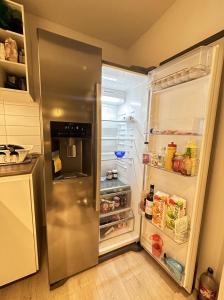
(169, 233)
(116, 121)
(115, 212)
(170, 171)
(173, 134)
(117, 138)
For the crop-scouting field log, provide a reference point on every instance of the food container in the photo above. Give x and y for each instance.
(14, 153)
(157, 245)
(159, 209)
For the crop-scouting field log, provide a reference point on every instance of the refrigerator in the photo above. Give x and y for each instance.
(174, 105)
(70, 76)
(95, 141)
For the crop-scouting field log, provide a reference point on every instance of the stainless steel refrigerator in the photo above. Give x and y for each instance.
(70, 75)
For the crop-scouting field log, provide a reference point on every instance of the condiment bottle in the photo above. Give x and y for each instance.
(194, 155)
(187, 163)
(149, 203)
(146, 155)
(207, 286)
(170, 151)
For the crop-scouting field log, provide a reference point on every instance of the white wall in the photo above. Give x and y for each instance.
(182, 25)
(19, 123)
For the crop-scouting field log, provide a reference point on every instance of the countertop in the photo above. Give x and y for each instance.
(19, 169)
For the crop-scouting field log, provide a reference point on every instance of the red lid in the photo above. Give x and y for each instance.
(171, 144)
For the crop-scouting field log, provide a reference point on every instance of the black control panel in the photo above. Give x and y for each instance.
(70, 129)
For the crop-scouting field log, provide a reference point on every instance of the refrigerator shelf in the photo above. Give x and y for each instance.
(147, 246)
(180, 77)
(113, 229)
(117, 222)
(169, 171)
(173, 134)
(167, 232)
(121, 210)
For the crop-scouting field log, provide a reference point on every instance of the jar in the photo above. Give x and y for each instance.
(109, 175)
(115, 174)
(178, 162)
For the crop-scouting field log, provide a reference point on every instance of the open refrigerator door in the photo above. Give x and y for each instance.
(183, 100)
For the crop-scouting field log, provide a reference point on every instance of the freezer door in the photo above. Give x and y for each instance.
(70, 75)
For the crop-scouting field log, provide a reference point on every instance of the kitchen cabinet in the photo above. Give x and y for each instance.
(19, 224)
(18, 69)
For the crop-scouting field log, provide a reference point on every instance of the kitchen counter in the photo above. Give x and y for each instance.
(113, 186)
(19, 169)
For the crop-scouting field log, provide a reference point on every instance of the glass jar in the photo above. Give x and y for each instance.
(178, 162)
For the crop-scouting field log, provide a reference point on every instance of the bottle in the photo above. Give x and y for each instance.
(170, 151)
(161, 157)
(174, 266)
(194, 155)
(149, 203)
(146, 155)
(207, 286)
(187, 163)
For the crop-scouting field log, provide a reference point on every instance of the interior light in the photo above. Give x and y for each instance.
(135, 104)
(112, 100)
(110, 78)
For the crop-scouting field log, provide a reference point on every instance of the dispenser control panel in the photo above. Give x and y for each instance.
(70, 129)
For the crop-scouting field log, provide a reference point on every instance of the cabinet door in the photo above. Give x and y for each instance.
(17, 253)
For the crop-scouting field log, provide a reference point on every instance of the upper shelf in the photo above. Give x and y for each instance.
(179, 77)
(13, 68)
(19, 38)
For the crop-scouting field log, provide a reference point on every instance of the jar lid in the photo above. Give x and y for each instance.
(172, 144)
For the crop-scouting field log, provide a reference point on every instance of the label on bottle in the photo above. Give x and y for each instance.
(207, 293)
(148, 207)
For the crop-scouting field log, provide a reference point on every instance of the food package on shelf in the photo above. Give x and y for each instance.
(11, 52)
(176, 208)
(159, 209)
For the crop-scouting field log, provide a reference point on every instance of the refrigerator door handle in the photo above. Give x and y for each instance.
(98, 144)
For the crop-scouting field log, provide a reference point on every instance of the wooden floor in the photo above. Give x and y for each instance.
(129, 276)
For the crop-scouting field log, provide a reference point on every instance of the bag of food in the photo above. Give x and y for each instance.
(176, 208)
(11, 52)
(159, 209)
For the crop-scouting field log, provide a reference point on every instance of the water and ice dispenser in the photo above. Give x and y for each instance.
(71, 145)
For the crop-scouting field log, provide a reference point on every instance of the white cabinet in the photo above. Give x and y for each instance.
(18, 250)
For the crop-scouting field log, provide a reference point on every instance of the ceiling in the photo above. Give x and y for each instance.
(120, 22)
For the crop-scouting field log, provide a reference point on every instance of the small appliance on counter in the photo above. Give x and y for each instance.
(14, 154)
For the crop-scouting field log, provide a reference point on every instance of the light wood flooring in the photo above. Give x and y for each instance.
(134, 276)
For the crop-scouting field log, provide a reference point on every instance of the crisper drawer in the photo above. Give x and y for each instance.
(116, 224)
(114, 202)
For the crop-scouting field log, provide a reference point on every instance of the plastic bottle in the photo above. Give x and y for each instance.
(207, 286)
(146, 155)
(170, 151)
(174, 266)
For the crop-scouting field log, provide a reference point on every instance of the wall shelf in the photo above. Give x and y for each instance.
(13, 68)
(19, 38)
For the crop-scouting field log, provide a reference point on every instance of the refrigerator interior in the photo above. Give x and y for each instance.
(182, 110)
(124, 120)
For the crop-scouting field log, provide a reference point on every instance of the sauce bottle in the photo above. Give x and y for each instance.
(149, 203)
(187, 163)
(207, 286)
(170, 151)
